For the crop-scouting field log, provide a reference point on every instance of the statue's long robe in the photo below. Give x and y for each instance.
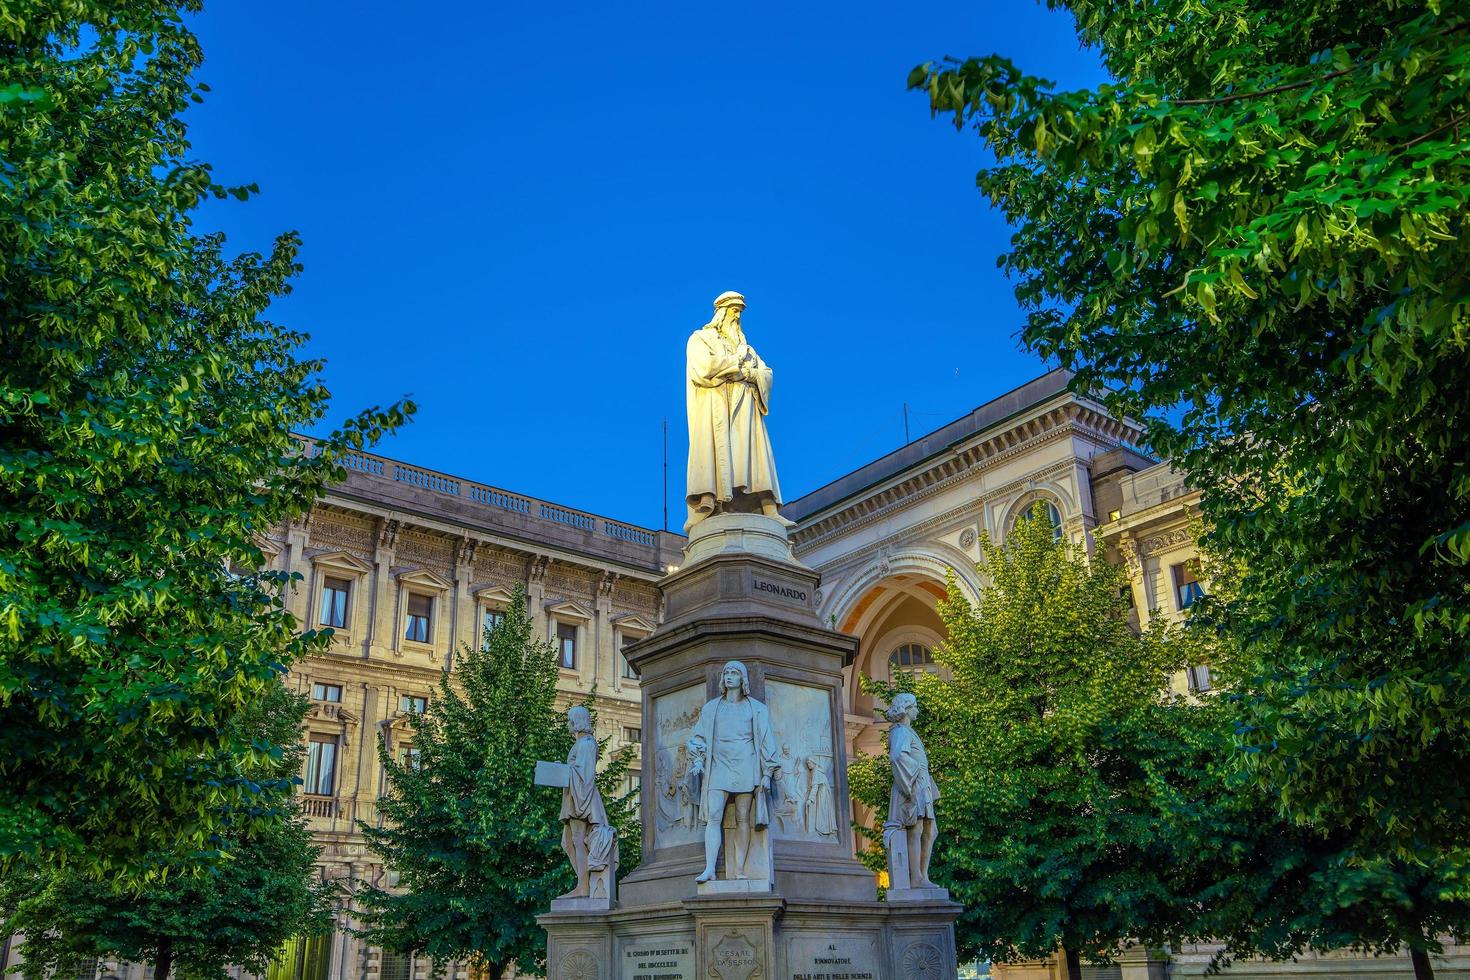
(580, 800)
(914, 792)
(761, 763)
(729, 450)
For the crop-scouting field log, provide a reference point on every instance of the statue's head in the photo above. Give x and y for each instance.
(734, 676)
(579, 720)
(904, 707)
(728, 307)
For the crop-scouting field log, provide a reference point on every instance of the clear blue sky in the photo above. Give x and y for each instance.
(517, 213)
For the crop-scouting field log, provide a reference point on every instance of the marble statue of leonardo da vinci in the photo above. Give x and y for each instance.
(731, 466)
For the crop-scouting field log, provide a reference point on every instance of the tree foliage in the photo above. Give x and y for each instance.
(146, 417)
(1051, 739)
(475, 844)
(236, 912)
(1256, 234)
(1272, 886)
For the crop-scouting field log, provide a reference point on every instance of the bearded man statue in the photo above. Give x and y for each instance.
(731, 466)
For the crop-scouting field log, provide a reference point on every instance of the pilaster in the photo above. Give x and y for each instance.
(462, 627)
(380, 633)
(604, 644)
(298, 537)
(536, 595)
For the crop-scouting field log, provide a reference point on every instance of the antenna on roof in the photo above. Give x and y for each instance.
(905, 423)
(666, 473)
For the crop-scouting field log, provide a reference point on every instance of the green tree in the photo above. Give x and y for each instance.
(146, 418)
(1256, 234)
(1050, 738)
(476, 845)
(1271, 886)
(236, 912)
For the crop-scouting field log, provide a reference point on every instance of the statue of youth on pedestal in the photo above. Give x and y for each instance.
(731, 466)
(908, 833)
(733, 749)
(588, 836)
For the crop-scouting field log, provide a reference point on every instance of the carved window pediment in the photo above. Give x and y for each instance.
(493, 595)
(568, 609)
(328, 712)
(422, 578)
(632, 623)
(341, 561)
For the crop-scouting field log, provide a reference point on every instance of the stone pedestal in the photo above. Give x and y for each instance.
(741, 596)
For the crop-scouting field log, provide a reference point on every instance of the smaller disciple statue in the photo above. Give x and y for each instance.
(910, 828)
(734, 750)
(588, 836)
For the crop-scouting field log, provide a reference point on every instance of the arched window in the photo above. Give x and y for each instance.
(1052, 514)
(910, 657)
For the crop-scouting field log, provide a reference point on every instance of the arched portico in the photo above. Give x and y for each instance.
(889, 605)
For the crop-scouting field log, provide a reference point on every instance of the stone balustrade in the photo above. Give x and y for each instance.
(378, 470)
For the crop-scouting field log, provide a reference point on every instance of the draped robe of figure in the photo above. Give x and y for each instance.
(581, 800)
(729, 450)
(914, 792)
(740, 753)
(819, 812)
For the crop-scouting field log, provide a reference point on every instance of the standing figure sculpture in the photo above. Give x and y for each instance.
(908, 833)
(819, 815)
(731, 466)
(733, 748)
(588, 836)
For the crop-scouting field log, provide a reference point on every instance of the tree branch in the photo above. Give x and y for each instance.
(1438, 129)
(1265, 91)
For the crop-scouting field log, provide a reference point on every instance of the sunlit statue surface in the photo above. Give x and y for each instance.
(588, 835)
(908, 833)
(731, 466)
(734, 751)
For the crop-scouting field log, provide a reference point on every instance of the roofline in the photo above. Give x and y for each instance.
(986, 416)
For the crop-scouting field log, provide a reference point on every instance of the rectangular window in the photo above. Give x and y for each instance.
(408, 757)
(628, 673)
(334, 602)
(566, 641)
(1187, 587)
(321, 766)
(1199, 678)
(493, 618)
(395, 966)
(86, 970)
(327, 692)
(632, 734)
(420, 609)
(412, 704)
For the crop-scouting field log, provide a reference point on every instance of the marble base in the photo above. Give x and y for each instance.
(739, 534)
(764, 936)
(737, 886)
(931, 893)
(583, 904)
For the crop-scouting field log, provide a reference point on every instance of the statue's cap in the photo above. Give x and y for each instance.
(730, 298)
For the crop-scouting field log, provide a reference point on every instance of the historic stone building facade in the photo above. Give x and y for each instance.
(406, 564)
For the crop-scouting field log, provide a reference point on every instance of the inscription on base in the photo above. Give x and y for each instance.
(758, 584)
(658, 959)
(832, 958)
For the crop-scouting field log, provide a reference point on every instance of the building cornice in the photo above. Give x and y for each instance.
(984, 453)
